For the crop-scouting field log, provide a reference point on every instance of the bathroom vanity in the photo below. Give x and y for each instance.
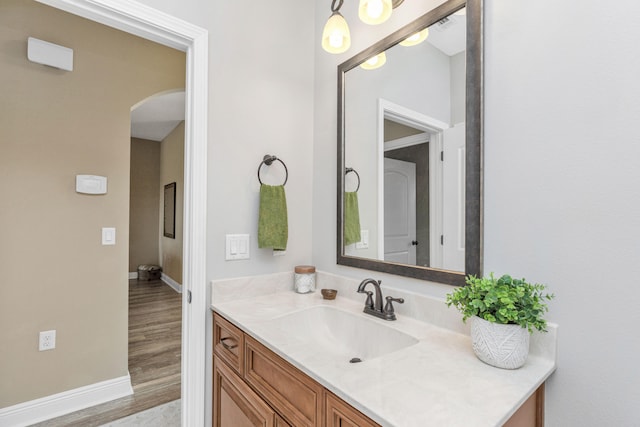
(253, 384)
(280, 360)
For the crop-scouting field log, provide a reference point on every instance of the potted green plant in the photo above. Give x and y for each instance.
(504, 312)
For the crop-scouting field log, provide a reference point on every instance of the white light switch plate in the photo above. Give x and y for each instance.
(364, 240)
(237, 246)
(108, 236)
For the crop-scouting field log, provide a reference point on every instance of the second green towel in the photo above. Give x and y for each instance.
(351, 218)
(273, 229)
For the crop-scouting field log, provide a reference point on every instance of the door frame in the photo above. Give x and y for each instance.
(435, 128)
(148, 23)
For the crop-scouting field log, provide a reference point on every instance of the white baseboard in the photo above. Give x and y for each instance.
(133, 275)
(34, 411)
(169, 281)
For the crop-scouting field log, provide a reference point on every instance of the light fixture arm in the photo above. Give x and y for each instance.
(335, 8)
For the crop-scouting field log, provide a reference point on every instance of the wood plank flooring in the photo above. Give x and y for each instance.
(155, 334)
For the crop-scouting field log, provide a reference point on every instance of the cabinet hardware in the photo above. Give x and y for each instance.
(223, 341)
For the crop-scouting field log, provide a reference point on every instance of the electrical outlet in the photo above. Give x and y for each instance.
(47, 340)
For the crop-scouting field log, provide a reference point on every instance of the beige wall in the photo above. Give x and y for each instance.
(172, 170)
(55, 274)
(144, 201)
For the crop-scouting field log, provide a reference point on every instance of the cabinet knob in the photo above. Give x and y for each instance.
(231, 346)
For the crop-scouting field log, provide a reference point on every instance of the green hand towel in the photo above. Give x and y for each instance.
(272, 220)
(351, 218)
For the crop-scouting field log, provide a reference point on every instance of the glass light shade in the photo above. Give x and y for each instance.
(415, 39)
(374, 12)
(374, 62)
(335, 36)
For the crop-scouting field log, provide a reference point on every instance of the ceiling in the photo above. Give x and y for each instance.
(157, 116)
(449, 34)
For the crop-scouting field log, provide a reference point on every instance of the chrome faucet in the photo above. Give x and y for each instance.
(375, 307)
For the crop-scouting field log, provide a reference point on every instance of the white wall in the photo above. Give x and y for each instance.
(260, 102)
(562, 149)
(562, 205)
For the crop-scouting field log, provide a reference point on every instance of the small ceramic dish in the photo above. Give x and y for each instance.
(329, 293)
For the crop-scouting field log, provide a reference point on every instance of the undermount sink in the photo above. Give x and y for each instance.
(335, 333)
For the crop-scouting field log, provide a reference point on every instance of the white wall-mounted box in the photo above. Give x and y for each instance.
(53, 55)
(91, 184)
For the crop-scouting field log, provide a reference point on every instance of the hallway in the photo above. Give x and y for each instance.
(155, 333)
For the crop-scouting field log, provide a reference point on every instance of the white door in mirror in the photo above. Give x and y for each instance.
(399, 211)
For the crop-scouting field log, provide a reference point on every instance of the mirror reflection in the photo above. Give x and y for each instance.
(404, 141)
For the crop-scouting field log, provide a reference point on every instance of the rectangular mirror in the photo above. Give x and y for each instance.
(410, 149)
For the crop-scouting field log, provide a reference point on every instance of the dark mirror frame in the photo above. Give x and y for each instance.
(473, 145)
(170, 210)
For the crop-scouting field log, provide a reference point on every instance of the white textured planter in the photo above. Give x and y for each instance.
(502, 346)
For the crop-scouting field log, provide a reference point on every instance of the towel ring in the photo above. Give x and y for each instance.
(268, 160)
(347, 170)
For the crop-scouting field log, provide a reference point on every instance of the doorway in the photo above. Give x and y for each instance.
(409, 136)
(153, 25)
(155, 252)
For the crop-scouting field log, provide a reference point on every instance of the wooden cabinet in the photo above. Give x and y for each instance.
(340, 414)
(530, 413)
(235, 404)
(298, 398)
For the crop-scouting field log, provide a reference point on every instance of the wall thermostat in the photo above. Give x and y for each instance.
(91, 184)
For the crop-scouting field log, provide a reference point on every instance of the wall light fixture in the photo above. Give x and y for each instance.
(374, 62)
(416, 38)
(374, 12)
(336, 37)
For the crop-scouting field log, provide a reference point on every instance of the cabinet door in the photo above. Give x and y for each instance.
(280, 422)
(298, 398)
(235, 404)
(531, 413)
(340, 414)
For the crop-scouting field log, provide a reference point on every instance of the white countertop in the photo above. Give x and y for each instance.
(436, 382)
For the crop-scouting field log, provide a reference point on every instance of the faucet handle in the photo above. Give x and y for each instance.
(388, 307)
(369, 301)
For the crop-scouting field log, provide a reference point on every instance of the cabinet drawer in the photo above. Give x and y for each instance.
(298, 398)
(228, 342)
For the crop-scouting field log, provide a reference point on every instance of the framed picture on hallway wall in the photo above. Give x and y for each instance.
(170, 210)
